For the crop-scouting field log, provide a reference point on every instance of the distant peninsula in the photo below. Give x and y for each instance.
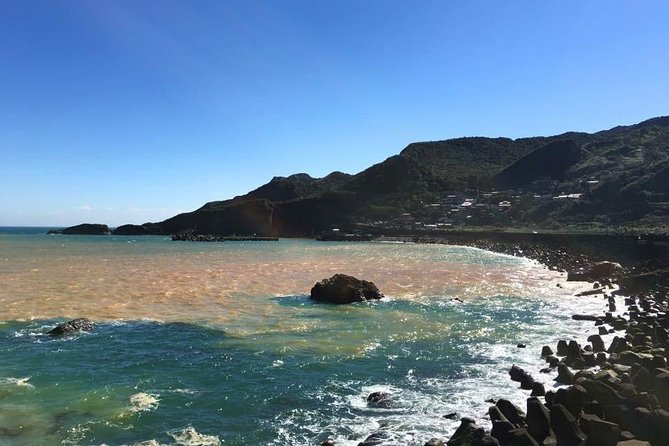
(83, 229)
(608, 179)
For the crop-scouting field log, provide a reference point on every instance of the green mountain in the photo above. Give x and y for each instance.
(613, 177)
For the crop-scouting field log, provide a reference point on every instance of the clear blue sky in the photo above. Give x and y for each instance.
(132, 111)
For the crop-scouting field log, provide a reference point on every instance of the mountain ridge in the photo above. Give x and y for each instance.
(614, 176)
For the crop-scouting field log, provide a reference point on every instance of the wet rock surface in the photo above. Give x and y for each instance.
(72, 327)
(344, 289)
(613, 392)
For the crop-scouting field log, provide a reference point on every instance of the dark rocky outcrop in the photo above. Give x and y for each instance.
(344, 289)
(72, 327)
(379, 399)
(596, 271)
(374, 439)
(145, 229)
(83, 229)
(467, 434)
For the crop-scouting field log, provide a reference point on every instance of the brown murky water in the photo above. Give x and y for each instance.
(153, 278)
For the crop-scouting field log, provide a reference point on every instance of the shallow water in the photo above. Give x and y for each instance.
(205, 343)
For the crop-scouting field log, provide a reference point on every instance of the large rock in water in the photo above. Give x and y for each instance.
(72, 327)
(83, 229)
(343, 289)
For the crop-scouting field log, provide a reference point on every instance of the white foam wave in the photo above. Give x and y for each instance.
(190, 437)
(184, 391)
(16, 382)
(141, 402)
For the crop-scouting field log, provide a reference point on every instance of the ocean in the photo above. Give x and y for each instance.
(219, 343)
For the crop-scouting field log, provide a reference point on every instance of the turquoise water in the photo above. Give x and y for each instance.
(255, 367)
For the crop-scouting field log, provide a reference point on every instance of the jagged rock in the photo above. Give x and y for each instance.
(562, 348)
(435, 442)
(510, 411)
(374, 439)
(467, 434)
(618, 345)
(572, 398)
(379, 399)
(600, 432)
(642, 379)
(343, 289)
(621, 415)
(328, 442)
(538, 420)
(527, 382)
(567, 430)
(552, 360)
(603, 393)
(72, 327)
(661, 385)
(583, 374)
(630, 357)
(538, 389)
(595, 271)
(546, 351)
(501, 430)
(573, 350)
(521, 437)
(589, 359)
(655, 427)
(487, 440)
(597, 343)
(565, 376)
(516, 373)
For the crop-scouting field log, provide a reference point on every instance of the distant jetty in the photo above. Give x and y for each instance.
(191, 237)
(342, 237)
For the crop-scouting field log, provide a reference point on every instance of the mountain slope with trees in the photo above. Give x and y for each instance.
(613, 177)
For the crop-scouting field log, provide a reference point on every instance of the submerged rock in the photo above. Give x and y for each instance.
(343, 289)
(72, 327)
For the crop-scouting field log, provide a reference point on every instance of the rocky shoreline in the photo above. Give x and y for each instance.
(606, 396)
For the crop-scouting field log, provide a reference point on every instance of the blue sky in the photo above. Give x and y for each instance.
(132, 111)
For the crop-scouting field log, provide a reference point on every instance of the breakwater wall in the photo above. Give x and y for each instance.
(630, 250)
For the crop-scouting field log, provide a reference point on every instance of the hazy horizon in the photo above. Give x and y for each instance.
(128, 112)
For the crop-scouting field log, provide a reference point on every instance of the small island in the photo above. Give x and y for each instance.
(83, 229)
